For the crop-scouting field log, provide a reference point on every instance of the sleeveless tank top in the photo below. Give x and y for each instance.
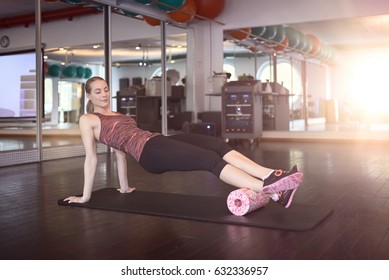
(122, 133)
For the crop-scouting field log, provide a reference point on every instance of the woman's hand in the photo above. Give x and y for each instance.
(128, 190)
(75, 199)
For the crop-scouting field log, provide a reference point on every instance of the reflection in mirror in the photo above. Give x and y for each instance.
(277, 56)
(136, 66)
(17, 109)
(136, 73)
(331, 69)
(137, 81)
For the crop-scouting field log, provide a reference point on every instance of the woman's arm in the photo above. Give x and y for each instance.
(122, 172)
(90, 162)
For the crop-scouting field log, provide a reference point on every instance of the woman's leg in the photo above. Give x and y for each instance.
(226, 152)
(162, 154)
(243, 172)
(247, 165)
(240, 179)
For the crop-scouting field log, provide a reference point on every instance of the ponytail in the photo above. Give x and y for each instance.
(89, 107)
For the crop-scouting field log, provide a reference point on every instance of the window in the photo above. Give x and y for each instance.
(288, 75)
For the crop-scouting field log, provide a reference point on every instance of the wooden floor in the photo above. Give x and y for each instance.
(350, 178)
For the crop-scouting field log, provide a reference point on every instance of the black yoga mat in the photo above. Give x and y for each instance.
(205, 208)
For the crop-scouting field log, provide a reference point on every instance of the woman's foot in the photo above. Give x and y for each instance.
(281, 181)
(285, 197)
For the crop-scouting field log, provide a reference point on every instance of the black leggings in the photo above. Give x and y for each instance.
(184, 152)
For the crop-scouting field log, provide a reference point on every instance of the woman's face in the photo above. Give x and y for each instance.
(99, 94)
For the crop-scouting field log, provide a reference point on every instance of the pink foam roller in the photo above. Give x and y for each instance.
(243, 201)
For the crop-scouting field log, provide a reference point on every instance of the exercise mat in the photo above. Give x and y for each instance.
(204, 208)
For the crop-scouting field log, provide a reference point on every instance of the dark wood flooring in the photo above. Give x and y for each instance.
(350, 178)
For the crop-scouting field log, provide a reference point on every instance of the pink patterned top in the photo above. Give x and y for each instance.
(122, 133)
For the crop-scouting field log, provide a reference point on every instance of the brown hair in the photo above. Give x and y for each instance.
(88, 88)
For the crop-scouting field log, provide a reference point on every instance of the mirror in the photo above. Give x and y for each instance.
(334, 79)
(136, 59)
(136, 72)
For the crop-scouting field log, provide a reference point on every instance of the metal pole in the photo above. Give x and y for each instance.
(304, 85)
(108, 46)
(255, 65)
(38, 79)
(164, 83)
(274, 71)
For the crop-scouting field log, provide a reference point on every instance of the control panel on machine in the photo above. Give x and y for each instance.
(241, 106)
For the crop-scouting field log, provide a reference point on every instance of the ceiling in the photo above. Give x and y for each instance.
(342, 33)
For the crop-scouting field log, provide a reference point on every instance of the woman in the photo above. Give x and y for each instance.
(157, 153)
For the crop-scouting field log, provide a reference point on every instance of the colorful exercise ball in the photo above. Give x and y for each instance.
(152, 21)
(209, 9)
(88, 73)
(282, 46)
(258, 31)
(170, 5)
(322, 52)
(70, 71)
(129, 14)
(308, 45)
(80, 72)
(315, 44)
(240, 34)
(45, 68)
(54, 70)
(280, 34)
(293, 37)
(327, 53)
(302, 43)
(185, 13)
(270, 32)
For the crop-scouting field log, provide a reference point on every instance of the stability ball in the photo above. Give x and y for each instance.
(88, 73)
(70, 71)
(45, 68)
(209, 9)
(302, 42)
(283, 45)
(152, 21)
(270, 32)
(308, 45)
(129, 14)
(258, 31)
(322, 52)
(240, 34)
(170, 5)
(80, 72)
(280, 34)
(328, 53)
(54, 70)
(185, 13)
(293, 37)
(315, 44)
